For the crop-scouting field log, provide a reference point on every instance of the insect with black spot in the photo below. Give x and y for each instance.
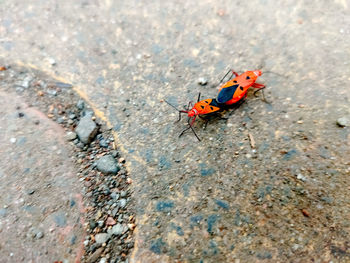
(230, 94)
(203, 107)
(236, 89)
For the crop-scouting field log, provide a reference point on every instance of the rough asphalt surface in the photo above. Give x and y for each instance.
(222, 200)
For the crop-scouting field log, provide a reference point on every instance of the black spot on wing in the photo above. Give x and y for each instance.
(211, 108)
(241, 88)
(206, 101)
(247, 77)
(202, 106)
(226, 94)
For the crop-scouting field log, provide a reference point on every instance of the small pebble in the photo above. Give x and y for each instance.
(70, 136)
(86, 129)
(102, 238)
(26, 82)
(343, 122)
(30, 192)
(301, 177)
(103, 143)
(39, 235)
(118, 229)
(115, 211)
(107, 165)
(122, 203)
(110, 221)
(80, 105)
(202, 81)
(52, 61)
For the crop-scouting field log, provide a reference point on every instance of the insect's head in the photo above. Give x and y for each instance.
(257, 73)
(192, 112)
(252, 76)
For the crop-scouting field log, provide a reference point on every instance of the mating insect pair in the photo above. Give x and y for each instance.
(230, 93)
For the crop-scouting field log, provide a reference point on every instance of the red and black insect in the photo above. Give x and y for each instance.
(203, 107)
(236, 88)
(231, 93)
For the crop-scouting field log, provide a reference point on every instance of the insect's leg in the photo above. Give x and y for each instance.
(234, 72)
(237, 106)
(194, 118)
(257, 91)
(206, 120)
(263, 95)
(189, 126)
(199, 97)
(195, 133)
(179, 117)
(180, 111)
(258, 85)
(184, 131)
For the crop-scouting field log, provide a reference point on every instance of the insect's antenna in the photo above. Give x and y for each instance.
(199, 97)
(225, 76)
(189, 105)
(180, 111)
(261, 65)
(171, 105)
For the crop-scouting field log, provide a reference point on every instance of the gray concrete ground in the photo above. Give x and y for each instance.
(218, 200)
(41, 204)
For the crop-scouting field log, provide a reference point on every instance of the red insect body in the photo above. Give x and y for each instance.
(235, 89)
(230, 93)
(204, 107)
(200, 108)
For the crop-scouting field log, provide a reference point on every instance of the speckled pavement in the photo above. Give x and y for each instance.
(218, 200)
(41, 213)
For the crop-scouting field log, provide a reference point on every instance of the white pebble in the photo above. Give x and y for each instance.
(301, 177)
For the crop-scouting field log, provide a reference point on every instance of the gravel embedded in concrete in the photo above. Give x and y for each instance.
(101, 192)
